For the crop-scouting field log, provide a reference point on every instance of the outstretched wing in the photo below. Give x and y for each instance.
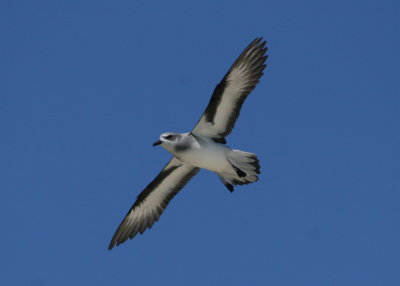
(223, 109)
(153, 200)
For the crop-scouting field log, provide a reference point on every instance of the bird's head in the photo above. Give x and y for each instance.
(167, 139)
(175, 142)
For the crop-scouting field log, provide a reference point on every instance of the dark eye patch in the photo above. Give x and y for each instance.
(169, 136)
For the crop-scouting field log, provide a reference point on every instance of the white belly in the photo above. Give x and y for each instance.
(211, 156)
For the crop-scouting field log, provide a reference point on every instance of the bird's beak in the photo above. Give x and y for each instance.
(158, 142)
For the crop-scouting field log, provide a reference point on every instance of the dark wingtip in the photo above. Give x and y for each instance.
(259, 41)
(113, 243)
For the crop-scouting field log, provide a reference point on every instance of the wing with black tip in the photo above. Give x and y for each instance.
(153, 200)
(224, 107)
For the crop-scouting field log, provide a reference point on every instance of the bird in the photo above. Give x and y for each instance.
(204, 147)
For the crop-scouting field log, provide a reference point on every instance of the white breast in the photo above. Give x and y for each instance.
(207, 154)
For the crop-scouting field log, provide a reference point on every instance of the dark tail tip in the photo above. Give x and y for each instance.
(239, 172)
(229, 187)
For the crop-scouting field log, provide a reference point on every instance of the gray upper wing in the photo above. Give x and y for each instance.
(224, 107)
(152, 201)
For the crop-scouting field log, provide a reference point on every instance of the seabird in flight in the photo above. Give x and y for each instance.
(203, 147)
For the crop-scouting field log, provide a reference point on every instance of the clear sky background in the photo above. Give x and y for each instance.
(87, 86)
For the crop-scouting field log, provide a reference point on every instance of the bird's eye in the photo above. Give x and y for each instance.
(168, 136)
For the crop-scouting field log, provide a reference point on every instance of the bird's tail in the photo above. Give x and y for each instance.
(246, 166)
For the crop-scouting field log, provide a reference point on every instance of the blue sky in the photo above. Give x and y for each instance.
(87, 86)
